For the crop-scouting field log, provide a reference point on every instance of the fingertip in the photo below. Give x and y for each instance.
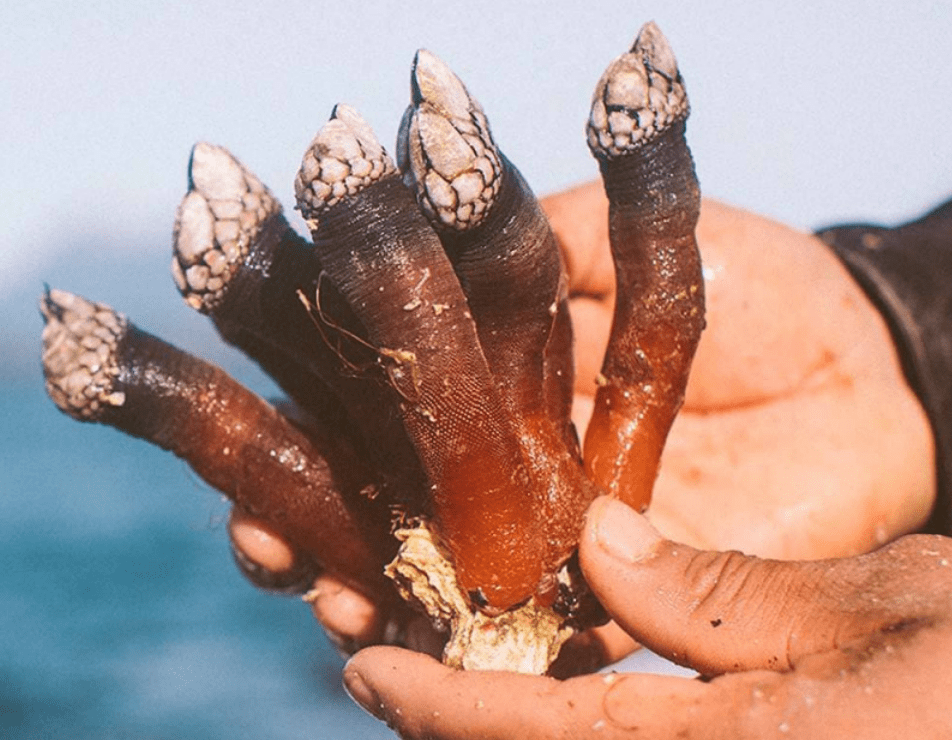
(617, 531)
(619, 552)
(380, 678)
(265, 558)
(359, 691)
(259, 543)
(351, 619)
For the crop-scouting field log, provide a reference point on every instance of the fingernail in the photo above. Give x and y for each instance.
(257, 543)
(620, 531)
(362, 695)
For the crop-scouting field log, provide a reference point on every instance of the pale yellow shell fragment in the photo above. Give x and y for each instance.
(524, 640)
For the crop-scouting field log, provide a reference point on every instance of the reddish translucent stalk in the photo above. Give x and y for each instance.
(101, 368)
(636, 131)
(391, 269)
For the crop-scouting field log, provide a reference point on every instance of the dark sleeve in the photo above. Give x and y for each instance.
(907, 273)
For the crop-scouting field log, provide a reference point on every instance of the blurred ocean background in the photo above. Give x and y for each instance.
(121, 614)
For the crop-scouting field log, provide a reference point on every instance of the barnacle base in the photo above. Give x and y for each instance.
(526, 639)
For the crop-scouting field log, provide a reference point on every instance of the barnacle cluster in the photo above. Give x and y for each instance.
(423, 334)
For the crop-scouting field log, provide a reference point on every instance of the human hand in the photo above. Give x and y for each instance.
(838, 648)
(797, 416)
(799, 437)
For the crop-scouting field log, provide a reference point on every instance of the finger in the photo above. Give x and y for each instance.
(593, 649)
(350, 619)
(265, 558)
(420, 698)
(719, 612)
(898, 686)
(353, 621)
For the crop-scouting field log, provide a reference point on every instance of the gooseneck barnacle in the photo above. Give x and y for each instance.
(381, 253)
(636, 132)
(424, 334)
(100, 367)
(505, 256)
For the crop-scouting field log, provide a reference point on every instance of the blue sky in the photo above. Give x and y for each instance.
(809, 111)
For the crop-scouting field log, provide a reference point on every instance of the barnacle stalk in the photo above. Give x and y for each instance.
(307, 345)
(636, 132)
(101, 368)
(483, 545)
(507, 260)
(236, 259)
(389, 266)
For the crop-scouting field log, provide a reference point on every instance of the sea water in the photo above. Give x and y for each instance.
(121, 613)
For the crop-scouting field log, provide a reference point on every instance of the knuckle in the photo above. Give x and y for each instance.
(719, 578)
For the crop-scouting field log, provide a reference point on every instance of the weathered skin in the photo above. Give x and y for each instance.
(845, 648)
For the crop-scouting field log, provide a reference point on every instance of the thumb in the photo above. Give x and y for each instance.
(720, 612)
